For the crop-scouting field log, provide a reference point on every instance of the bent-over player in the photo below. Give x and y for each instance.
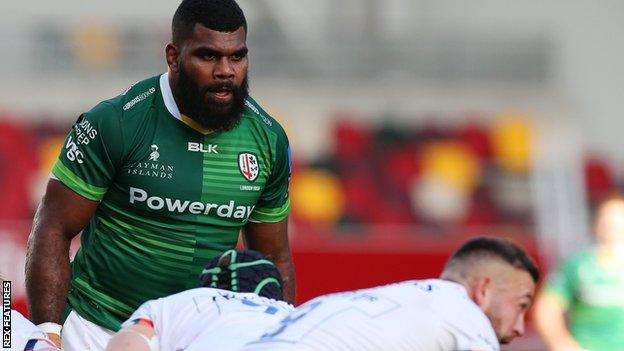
(480, 300)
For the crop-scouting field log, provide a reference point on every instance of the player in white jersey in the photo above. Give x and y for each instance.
(210, 317)
(479, 301)
(25, 336)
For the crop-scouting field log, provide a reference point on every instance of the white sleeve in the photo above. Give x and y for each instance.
(175, 318)
(40, 345)
(146, 311)
(26, 334)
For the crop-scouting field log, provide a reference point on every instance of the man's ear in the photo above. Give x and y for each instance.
(172, 54)
(482, 291)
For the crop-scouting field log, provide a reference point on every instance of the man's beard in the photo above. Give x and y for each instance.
(210, 114)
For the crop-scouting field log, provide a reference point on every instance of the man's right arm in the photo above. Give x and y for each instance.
(61, 215)
(549, 312)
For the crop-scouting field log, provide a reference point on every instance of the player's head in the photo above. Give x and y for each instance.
(243, 271)
(219, 15)
(500, 278)
(207, 60)
(610, 221)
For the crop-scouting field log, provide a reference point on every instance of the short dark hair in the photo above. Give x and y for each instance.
(243, 271)
(499, 248)
(219, 15)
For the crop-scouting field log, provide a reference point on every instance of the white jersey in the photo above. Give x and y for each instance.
(425, 315)
(207, 318)
(26, 336)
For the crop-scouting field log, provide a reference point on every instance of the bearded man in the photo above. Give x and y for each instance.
(160, 180)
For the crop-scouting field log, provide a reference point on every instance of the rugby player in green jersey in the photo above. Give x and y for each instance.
(160, 179)
(588, 289)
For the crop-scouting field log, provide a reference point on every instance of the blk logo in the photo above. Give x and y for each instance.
(200, 147)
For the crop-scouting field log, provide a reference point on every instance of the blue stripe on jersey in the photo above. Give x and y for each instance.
(30, 345)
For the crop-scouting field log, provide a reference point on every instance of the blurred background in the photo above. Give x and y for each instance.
(414, 123)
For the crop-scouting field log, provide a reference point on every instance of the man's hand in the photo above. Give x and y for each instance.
(56, 339)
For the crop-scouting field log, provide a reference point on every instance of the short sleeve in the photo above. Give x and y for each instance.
(26, 336)
(562, 281)
(274, 203)
(40, 345)
(145, 312)
(92, 152)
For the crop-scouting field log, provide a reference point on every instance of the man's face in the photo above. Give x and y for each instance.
(610, 223)
(212, 77)
(511, 297)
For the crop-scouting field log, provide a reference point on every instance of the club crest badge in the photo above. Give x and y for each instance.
(248, 165)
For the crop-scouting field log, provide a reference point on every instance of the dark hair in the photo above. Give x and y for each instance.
(243, 271)
(500, 248)
(219, 15)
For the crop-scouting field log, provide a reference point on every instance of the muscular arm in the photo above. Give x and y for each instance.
(272, 240)
(61, 215)
(549, 320)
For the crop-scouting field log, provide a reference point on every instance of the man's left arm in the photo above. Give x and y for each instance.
(271, 239)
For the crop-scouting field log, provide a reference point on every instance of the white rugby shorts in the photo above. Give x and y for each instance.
(79, 334)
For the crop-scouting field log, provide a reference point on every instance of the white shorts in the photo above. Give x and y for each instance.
(79, 334)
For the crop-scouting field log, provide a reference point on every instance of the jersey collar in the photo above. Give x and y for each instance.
(167, 95)
(460, 288)
(172, 107)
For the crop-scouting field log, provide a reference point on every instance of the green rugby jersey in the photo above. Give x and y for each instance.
(172, 195)
(594, 297)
